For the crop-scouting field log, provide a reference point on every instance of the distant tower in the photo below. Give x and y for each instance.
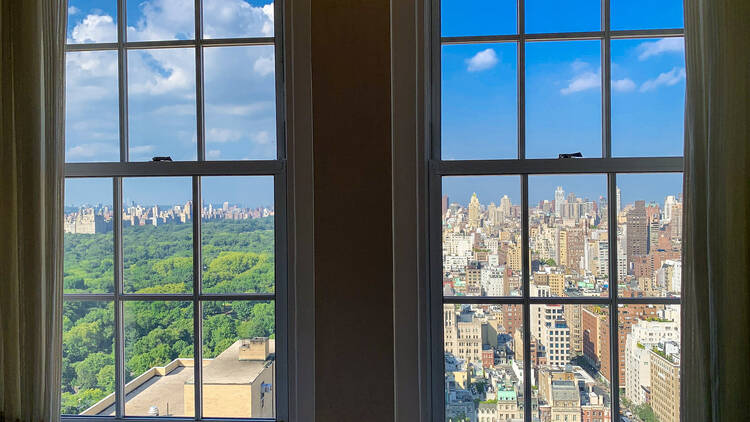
(559, 200)
(444, 203)
(618, 201)
(474, 211)
(505, 205)
(669, 203)
(637, 231)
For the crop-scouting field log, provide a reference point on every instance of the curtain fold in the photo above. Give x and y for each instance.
(32, 77)
(716, 270)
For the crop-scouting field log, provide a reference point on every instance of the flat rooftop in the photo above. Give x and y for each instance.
(164, 387)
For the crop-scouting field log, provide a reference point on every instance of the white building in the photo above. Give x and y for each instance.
(644, 335)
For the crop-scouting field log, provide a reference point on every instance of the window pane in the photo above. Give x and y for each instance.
(648, 97)
(646, 14)
(479, 102)
(157, 235)
(568, 235)
(649, 234)
(161, 104)
(92, 21)
(650, 373)
(573, 368)
(238, 235)
(158, 358)
(240, 98)
(239, 343)
(571, 365)
(563, 99)
(88, 265)
(237, 18)
(92, 131)
(481, 242)
(88, 362)
(562, 16)
(479, 17)
(483, 362)
(157, 20)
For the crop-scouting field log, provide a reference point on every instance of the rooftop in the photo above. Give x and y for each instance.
(164, 387)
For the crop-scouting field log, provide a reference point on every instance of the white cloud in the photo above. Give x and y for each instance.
(213, 154)
(91, 150)
(240, 104)
(236, 18)
(483, 60)
(95, 28)
(665, 45)
(220, 136)
(242, 109)
(582, 82)
(262, 137)
(670, 78)
(72, 10)
(623, 85)
(579, 65)
(264, 66)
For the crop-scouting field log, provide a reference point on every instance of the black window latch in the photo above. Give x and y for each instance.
(572, 155)
(161, 159)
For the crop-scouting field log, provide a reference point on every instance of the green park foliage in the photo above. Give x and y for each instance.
(238, 257)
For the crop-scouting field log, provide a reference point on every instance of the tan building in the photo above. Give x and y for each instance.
(239, 382)
(462, 333)
(665, 381)
(572, 314)
(566, 401)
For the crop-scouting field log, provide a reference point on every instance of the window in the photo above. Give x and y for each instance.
(175, 271)
(569, 267)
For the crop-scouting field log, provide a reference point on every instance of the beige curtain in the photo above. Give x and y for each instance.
(716, 276)
(32, 37)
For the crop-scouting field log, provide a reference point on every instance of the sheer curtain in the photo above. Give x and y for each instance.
(716, 302)
(32, 36)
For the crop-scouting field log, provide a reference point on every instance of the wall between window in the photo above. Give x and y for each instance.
(352, 171)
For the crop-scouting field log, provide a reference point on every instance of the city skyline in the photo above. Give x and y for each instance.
(633, 187)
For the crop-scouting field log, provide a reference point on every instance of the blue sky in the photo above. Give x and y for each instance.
(563, 94)
(479, 119)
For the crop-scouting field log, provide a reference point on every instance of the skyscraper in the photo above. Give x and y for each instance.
(669, 202)
(637, 231)
(618, 200)
(474, 211)
(559, 200)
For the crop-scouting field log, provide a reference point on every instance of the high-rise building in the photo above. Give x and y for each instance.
(444, 204)
(618, 200)
(462, 333)
(474, 211)
(575, 245)
(665, 381)
(572, 314)
(505, 206)
(595, 338)
(559, 200)
(562, 248)
(637, 231)
(669, 202)
(675, 223)
(643, 337)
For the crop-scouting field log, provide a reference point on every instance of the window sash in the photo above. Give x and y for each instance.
(605, 164)
(195, 169)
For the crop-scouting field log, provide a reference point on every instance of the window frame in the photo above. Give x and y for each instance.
(284, 292)
(606, 165)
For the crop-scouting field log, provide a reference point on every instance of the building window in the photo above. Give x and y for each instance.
(175, 217)
(568, 264)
